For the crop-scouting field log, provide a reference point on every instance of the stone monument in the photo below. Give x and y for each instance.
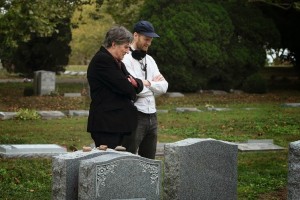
(200, 169)
(44, 82)
(294, 171)
(120, 176)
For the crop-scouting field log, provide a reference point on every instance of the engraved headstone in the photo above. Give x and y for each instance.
(44, 82)
(65, 170)
(119, 176)
(294, 171)
(200, 169)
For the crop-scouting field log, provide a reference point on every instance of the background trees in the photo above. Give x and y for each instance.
(36, 34)
(204, 44)
(208, 44)
(89, 26)
(286, 17)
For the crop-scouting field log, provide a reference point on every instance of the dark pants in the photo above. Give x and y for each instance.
(144, 139)
(112, 140)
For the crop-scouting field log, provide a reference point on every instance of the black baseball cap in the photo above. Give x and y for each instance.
(145, 28)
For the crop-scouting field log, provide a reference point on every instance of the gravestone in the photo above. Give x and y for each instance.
(185, 109)
(65, 170)
(200, 169)
(7, 115)
(259, 145)
(51, 114)
(78, 113)
(294, 171)
(174, 94)
(218, 109)
(44, 82)
(72, 94)
(119, 176)
(293, 105)
(30, 150)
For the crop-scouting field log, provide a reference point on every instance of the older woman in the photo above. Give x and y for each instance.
(112, 113)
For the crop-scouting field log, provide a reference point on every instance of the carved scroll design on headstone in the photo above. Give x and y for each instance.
(101, 172)
(153, 170)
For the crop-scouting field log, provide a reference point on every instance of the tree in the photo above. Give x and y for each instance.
(90, 25)
(287, 19)
(124, 12)
(208, 44)
(35, 34)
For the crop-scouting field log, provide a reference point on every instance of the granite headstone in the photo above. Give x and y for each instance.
(65, 169)
(120, 176)
(294, 171)
(200, 169)
(44, 82)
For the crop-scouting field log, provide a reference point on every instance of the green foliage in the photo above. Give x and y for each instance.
(86, 43)
(44, 53)
(255, 84)
(199, 33)
(124, 12)
(27, 114)
(35, 35)
(286, 17)
(208, 45)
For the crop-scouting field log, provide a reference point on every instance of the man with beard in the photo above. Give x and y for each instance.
(142, 66)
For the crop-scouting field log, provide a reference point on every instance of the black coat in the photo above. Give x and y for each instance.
(112, 108)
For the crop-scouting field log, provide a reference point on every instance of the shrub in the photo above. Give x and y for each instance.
(27, 114)
(255, 83)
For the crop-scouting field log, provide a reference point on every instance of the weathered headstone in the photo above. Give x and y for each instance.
(174, 94)
(51, 114)
(218, 109)
(162, 111)
(79, 113)
(200, 169)
(294, 171)
(44, 82)
(259, 145)
(65, 170)
(186, 109)
(30, 150)
(72, 94)
(293, 105)
(119, 176)
(7, 115)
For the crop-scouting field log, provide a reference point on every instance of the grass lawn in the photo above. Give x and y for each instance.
(261, 175)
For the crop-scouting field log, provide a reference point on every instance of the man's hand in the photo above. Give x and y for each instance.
(146, 83)
(158, 78)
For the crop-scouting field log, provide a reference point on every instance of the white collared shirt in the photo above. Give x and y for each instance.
(146, 98)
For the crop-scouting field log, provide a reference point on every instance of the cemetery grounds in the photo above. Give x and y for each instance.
(261, 175)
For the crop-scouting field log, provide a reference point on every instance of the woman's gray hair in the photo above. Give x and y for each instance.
(117, 34)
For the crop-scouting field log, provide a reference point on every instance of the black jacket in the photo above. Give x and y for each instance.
(112, 108)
